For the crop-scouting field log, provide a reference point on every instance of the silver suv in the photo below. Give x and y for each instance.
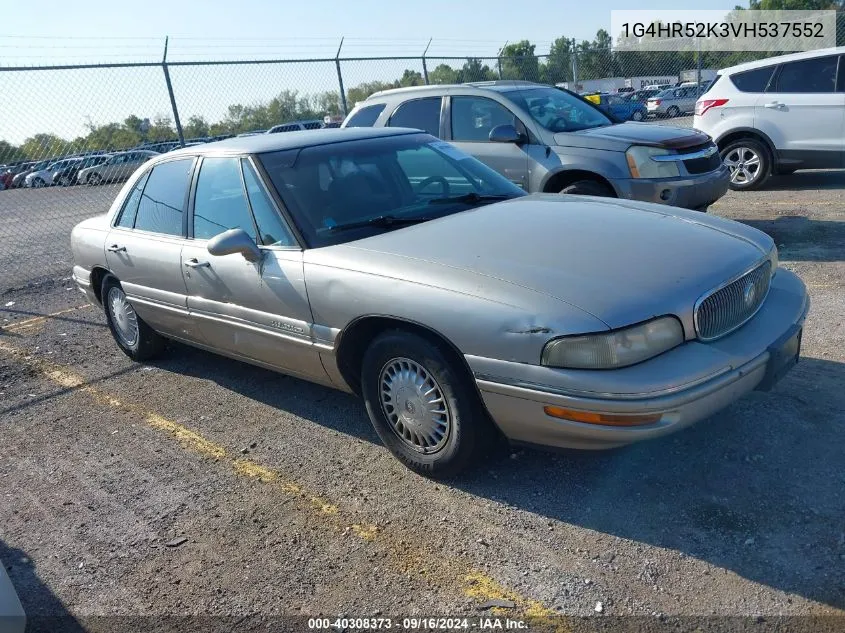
(547, 139)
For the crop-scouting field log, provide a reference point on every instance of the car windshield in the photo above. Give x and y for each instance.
(558, 110)
(355, 189)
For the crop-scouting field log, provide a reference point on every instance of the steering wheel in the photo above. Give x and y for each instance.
(431, 180)
(552, 125)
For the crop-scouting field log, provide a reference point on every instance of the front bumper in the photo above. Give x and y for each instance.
(695, 192)
(684, 385)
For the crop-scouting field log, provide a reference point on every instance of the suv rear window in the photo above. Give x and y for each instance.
(422, 114)
(753, 80)
(808, 75)
(365, 117)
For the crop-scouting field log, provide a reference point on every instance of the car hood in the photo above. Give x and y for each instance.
(622, 262)
(623, 135)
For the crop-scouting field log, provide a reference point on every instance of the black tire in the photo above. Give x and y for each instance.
(38, 183)
(672, 112)
(470, 429)
(588, 188)
(94, 179)
(147, 344)
(637, 115)
(735, 150)
(64, 181)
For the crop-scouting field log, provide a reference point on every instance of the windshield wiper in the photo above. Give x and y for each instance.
(386, 221)
(471, 198)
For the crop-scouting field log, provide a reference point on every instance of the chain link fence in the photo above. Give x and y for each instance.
(61, 124)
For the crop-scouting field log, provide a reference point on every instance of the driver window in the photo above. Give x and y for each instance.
(474, 117)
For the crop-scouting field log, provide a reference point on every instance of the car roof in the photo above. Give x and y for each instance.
(780, 59)
(261, 143)
(500, 85)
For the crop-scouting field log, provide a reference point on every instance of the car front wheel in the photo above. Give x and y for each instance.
(137, 339)
(423, 405)
(94, 179)
(748, 162)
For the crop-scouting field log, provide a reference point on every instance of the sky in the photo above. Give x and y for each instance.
(62, 102)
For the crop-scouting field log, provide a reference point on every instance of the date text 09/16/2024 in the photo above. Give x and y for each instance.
(482, 623)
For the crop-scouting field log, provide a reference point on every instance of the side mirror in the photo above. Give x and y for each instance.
(506, 134)
(234, 241)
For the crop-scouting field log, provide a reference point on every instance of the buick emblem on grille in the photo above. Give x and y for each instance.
(749, 295)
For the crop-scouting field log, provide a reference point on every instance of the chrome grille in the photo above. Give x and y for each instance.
(728, 307)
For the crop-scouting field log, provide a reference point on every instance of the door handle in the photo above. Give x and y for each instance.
(114, 248)
(194, 263)
(775, 105)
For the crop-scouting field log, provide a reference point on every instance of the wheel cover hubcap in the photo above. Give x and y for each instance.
(744, 165)
(123, 316)
(413, 403)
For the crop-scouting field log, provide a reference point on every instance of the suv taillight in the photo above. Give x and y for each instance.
(703, 105)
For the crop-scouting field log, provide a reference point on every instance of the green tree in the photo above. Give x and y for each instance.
(520, 62)
(364, 90)
(474, 70)
(196, 126)
(558, 67)
(444, 74)
(411, 78)
(9, 153)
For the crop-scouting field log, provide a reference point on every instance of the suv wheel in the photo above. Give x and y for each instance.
(423, 407)
(588, 188)
(749, 163)
(672, 112)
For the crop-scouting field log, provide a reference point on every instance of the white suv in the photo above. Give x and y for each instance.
(777, 115)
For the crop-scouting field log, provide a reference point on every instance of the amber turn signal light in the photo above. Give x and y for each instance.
(609, 419)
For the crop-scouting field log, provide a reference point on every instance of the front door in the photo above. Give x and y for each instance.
(803, 115)
(257, 311)
(471, 120)
(144, 248)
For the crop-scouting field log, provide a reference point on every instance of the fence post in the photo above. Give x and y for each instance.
(499, 58)
(425, 68)
(340, 79)
(698, 64)
(172, 96)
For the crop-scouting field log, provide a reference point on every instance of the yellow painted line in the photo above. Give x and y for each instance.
(26, 324)
(440, 571)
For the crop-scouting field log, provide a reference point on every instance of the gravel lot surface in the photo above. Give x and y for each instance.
(197, 485)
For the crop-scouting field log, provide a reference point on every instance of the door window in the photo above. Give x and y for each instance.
(421, 114)
(366, 117)
(474, 117)
(271, 229)
(753, 80)
(130, 207)
(220, 201)
(163, 201)
(808, 75)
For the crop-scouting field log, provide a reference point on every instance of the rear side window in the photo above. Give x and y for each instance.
(365, 117)
(809, 75)
(163, 201)
(422, 114)
(753, 80)
(220, 202)
(130, 207)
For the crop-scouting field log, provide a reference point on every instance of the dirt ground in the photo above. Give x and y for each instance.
(199, 486)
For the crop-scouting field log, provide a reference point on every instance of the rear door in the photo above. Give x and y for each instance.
(802, 113)
(469, 123)
(144, 247)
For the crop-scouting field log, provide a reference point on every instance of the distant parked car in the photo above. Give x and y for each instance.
(622, 108)
(252, 132)
(117, 168)
(160, 147)
(674, 101)
(66, 175)
(44, 177)
(550, 140)
(777, 115)
(294, 126)
(20, 177)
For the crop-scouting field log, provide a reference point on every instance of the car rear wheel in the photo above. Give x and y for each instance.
(137, 339)
(423, 406)
(672, 112)
(588, 188)
(37, 183)
(749, 164)
(64, 181)
(637, 116)
(95, 179)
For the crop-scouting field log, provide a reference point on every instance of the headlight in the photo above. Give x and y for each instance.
(641, 165)
(612, 350)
